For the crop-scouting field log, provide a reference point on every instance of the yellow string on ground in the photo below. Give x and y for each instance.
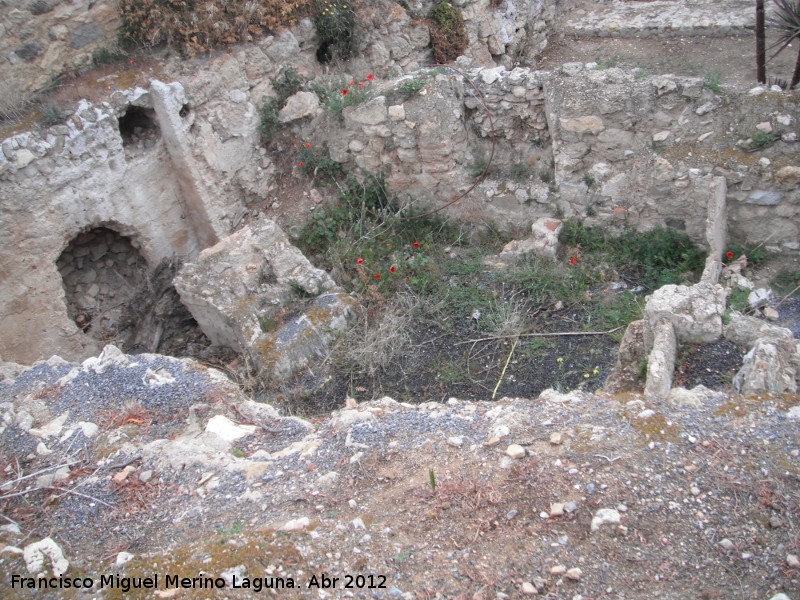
(503, 374)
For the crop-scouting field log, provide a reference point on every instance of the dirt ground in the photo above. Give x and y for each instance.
(732, 59)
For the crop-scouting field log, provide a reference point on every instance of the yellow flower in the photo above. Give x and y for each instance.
(560, 359)
(586, 376)
(596, 371)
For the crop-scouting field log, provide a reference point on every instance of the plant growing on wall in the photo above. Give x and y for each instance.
(197, 27)
(786, 21)
(448, 35)
(335, 22)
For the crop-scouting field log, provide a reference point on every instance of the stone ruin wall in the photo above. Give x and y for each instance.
(601, 145)
(172, 190)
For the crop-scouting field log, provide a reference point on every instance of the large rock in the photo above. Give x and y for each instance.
(627, 373)
(244, 290)
(773, 361)
(769, 366)
(543, 241)
(694, 311)
(299, 106)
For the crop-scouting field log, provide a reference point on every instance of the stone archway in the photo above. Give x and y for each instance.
(101, 271)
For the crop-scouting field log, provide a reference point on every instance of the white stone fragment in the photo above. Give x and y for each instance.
(36, 553)
(605, 516)
(227, 429)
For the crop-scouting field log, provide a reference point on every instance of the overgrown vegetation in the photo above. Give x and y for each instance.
(448, 35)
(423, 279)
(713, 82)
(761, 139)
(198, 27)
(653, 258)
(335, 22)
(338, 95)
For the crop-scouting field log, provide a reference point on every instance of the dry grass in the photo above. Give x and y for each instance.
(214, 24)
(376, 340)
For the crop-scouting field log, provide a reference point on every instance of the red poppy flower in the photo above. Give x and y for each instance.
(302, 164)
(377, 275)
(352, 82)
(729, 255)
(573, 260)
(416, 244)
(344, 92)
(360, 83)
(360, 261)
(133, 62)
(308, 144)
(370, 77)
(392, 269)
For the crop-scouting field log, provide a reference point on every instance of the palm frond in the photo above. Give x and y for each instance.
(785, 20)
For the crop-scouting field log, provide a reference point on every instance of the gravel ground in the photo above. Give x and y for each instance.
(421, 501)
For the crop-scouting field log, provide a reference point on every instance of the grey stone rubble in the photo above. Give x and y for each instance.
(245, 290)
(216, 456)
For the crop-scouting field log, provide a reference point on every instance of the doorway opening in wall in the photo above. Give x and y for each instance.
(139, 128)
(114, 296)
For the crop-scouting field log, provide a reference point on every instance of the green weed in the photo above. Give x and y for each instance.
(448, 35)
(712, 81)
(761, 139)
(738, 299)
(786, 282)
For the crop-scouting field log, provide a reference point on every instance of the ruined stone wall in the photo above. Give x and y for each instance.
(64, 181)
(640, 151)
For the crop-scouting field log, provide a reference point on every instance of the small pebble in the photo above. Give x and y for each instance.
(726, 544)
(555, 438)
(455, 441)
(793, 561)
(605, 516)
(515, 451)
(556, 509)
(575, 574)
(695, 490)
(528, 589)
(558, 570)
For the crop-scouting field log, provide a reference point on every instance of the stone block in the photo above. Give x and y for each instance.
(661, 361)
(588, 124)
(694, 311)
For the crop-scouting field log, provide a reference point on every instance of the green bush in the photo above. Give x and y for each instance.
(656, 257)
(269, 119)
(335, 22)
(762, 139)
(104, 56)
(319, 165)
(336, 96)
(52, 114)
(288, 83)
(448, 35)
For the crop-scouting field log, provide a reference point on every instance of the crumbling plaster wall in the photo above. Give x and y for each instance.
(74, 177)
(609, 146)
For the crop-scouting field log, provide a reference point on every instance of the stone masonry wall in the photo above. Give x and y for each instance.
(639, 151)
(68, 179)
